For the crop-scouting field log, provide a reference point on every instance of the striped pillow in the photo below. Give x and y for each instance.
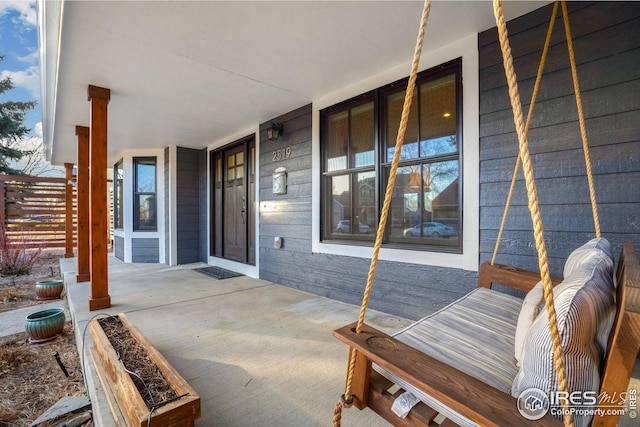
(585, 308)
(529, 311)
(581, 256)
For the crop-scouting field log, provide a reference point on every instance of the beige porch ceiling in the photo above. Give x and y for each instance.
(194, 73)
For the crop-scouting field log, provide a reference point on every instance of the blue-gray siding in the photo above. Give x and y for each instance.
(145, 250)
(190, 170)
(607, 49)
(607, 40)
(118, 247)
(167, 200)
(404, 289)
(202, 173)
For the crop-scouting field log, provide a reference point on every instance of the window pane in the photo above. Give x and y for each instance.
(438, 117)
(362, 135)
(147, 212)
(442, 200)
(119, 195)
(231, 171)
(394, 104)
(425, 205)
(365, 203)
(145, 204)
(405, 203)
(145, 176)
(340, 207)
(337, 142)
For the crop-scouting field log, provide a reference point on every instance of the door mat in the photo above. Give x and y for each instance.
(217, 272)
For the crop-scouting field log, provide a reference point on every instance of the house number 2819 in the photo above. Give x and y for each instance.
(283, 154)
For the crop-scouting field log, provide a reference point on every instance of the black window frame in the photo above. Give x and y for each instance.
(118, 195)
(137, 225)
(356, 236)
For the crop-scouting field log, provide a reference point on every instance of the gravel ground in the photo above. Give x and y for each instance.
(31, 380)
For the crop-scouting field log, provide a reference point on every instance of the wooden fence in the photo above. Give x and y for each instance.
(33, 210)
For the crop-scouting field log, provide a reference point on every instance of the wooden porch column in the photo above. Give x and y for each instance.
(99, 98)
(68, 211)
(82, 180)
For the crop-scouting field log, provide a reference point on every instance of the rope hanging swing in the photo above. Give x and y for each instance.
(346, 399)
(583, 132)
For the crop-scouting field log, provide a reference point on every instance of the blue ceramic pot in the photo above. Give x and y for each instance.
(45, 325)
(49, 289)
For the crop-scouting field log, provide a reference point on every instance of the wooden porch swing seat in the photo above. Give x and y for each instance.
(461, 397)
(468, 362)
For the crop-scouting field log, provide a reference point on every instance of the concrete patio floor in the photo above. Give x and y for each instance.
(257, 353)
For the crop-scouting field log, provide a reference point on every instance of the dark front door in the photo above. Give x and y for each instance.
(235, 209)
(232, 173)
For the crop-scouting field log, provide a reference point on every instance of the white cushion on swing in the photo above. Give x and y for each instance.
(528, 312)
(585, 309)
(475, 335)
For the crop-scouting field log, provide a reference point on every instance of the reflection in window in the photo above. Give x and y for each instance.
(349, 138)
(435, 132)
(410, 146)
(425, 204)
(341, 203)
(358, 140)
(145, 200)
(353, 208)
(349, 142)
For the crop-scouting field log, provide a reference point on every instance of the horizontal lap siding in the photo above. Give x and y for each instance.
(118, 247)
(202, 238)
(288, 215)
(145, 250)
(607, 49)
(403, 289)
(607, 46)
(189, 215)
(167, 201)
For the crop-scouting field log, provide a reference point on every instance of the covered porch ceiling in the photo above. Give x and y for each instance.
(194, 73)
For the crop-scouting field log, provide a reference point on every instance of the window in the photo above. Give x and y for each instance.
(144, 197)
(118, 177)
(358, 142)
(349, 141)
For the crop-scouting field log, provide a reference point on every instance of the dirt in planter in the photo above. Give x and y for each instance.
(155, 390)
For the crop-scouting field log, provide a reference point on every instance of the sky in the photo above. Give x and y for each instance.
(19, 46)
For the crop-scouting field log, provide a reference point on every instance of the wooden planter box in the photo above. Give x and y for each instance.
(122, 393)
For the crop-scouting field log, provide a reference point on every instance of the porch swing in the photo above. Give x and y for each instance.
(460, 361)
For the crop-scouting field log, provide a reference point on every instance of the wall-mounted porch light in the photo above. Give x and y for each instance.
(274, 131)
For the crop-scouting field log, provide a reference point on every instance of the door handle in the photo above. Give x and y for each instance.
(244, 207)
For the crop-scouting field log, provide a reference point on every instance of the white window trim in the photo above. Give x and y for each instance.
(466, 48)
(127, 232)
